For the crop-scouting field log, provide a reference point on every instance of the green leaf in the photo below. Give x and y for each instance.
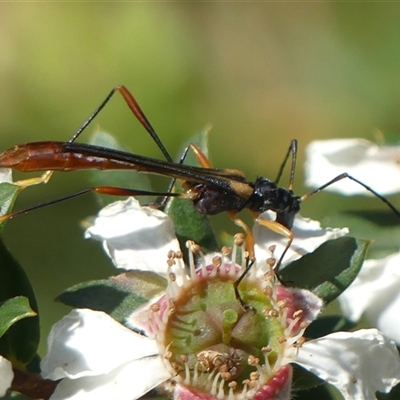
(21, 340)
(304, 379)
(382, 227)
(328, 324)
(13, 310)
(393, 395)
(8, 194)
(330, 269)
(119, 178)
(117, 296)
(189, 223)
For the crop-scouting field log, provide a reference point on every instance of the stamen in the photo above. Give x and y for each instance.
(170, 262)
(214, 389)
(232, 269)
(156, 323)
(221, 393)
(204, 271)
(184, 359)
(196, 373)
(267, 366)
(295, 338)
(246, 384)
(271, 261)
(299, 342)
(192, 265)
(232, 386)
(297, 316)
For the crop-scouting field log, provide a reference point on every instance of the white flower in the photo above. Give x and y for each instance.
(100, 359)
(376, 294)
(308, 235)
(357, 363)
(188, 336)
(6, 375)
(376, 166)
(5, 175)
(128, 231)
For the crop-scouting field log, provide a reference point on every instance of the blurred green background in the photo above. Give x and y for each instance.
(261, 73)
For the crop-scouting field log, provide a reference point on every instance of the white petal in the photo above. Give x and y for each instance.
(357, 363)
(369, 163)
(308, 235)
(6, 375)
(89, 343)
(5, 175)
(127, 382)
(135, 237)
(376, 293)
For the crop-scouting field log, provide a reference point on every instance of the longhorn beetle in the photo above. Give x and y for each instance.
(212, 190)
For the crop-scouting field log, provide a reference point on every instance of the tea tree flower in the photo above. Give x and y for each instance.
(376, 166)
(5, 175)
(127, 231)
(6, 375)
(308, 235)
(199, 340)
(375, 293)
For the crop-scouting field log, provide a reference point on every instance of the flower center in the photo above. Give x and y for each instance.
(210, 333)
(215, 346)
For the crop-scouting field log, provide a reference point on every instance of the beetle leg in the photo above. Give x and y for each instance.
(44, 178)
(280, 230)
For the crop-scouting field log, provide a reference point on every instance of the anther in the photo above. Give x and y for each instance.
(239, 239)
(172, 277)
(217, 261)
(254, 375)
(179, 254)
(299, 342)
(269, 276)
(271, 313)
(304, 325)
(226, 376)
(297, 314)
(253, 360)
(268, 291)
(271, 261)
(184, 358)
(226, 251)
(171, 262)
(195, 248)
(189, 243)
(282, 304)
(171, 254)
